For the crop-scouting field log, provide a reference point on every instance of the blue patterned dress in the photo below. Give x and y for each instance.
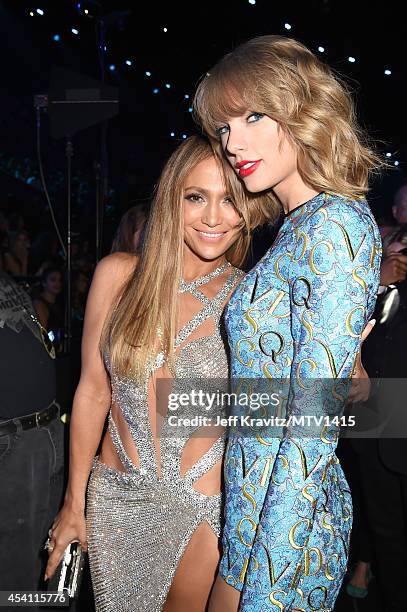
(297, 315)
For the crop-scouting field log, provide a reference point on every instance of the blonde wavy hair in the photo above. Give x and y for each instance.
(145, 318)
(281, 78)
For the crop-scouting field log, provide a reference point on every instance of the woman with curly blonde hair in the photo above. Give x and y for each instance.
(287, 126)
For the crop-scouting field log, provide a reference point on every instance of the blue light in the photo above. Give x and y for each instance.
(184, 136)
(167, 85)
(387, 72)
(351, 59)
(396, 163)
(287, 26)
(172, 134)
(148, 73)
(156, 90)
(40, 11)
(321, 49)
(190, 109)
(112, 67)
(74, 31)
(186, 97)
(56, 37)
(128, 62)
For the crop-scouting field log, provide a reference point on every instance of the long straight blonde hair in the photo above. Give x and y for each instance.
(147, 310)
(281, 78)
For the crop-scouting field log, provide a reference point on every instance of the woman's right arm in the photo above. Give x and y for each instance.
(91, 404)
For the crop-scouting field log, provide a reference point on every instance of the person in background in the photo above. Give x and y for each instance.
(46, 305)
(383, 461)
(31, 440)
(130, 232)
(15, 258)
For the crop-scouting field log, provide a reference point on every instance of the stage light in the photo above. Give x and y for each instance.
(31, 14)
(388, 154)
(396, 163)
(321, 49)
(351, 59)
(148, 73)
(40, 12)
(287, 26)
(86, 12)
(56, 37)
(112, 67)
(74, 31)
(387, 72)
(156, 90)
(190, 109)
(184, 136)
(186, 97)
(168, 86)
(252, 1)
(172, 134)
(128, 62)
(165, 30)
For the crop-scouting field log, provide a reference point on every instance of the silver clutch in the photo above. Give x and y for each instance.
(68, 575)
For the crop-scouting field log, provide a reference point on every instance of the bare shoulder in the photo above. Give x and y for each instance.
(115, 269)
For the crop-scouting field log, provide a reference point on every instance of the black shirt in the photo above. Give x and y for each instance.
(27, 372)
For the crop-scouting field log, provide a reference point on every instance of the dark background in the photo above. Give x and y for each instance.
(139, 137)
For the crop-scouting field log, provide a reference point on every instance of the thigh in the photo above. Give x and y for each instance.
(224, 597)
(196, 573)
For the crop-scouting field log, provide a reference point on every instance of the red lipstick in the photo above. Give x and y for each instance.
(250, 169)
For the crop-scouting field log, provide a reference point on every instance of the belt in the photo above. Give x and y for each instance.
(36, 419)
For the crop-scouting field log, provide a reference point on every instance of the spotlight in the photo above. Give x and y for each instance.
(388, 154)
(40, 12)
(287, 26)
(165, 30)
(75, 31)
(156, 90)
(321, 49)
(184, 136)
(252, 1)
(31, 14)
(351, 59)
(186, 97)
(128, 62)
(56, 37)
(396, 163)
(112, 67)
(148, 73)
(172, 134)
(168, 86)
(190, 109)
(387, 72)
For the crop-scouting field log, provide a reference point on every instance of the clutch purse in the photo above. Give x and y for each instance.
(68, 575)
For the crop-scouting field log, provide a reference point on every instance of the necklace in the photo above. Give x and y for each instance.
(202, 280)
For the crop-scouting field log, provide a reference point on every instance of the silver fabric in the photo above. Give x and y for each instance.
(138, 524)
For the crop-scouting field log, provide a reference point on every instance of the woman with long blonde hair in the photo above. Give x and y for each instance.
(154, 494)
(286, 124)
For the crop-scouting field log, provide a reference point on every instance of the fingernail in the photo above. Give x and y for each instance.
(372, 322)
(45, 577)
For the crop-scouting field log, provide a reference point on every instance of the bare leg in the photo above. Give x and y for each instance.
(224, 597)
(196, 572)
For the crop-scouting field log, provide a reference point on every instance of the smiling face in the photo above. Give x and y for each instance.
(261, 154)
(211, 222)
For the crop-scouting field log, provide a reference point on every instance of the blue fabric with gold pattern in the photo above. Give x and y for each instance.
(297, 315)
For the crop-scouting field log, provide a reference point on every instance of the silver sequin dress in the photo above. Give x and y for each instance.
(139, 524)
